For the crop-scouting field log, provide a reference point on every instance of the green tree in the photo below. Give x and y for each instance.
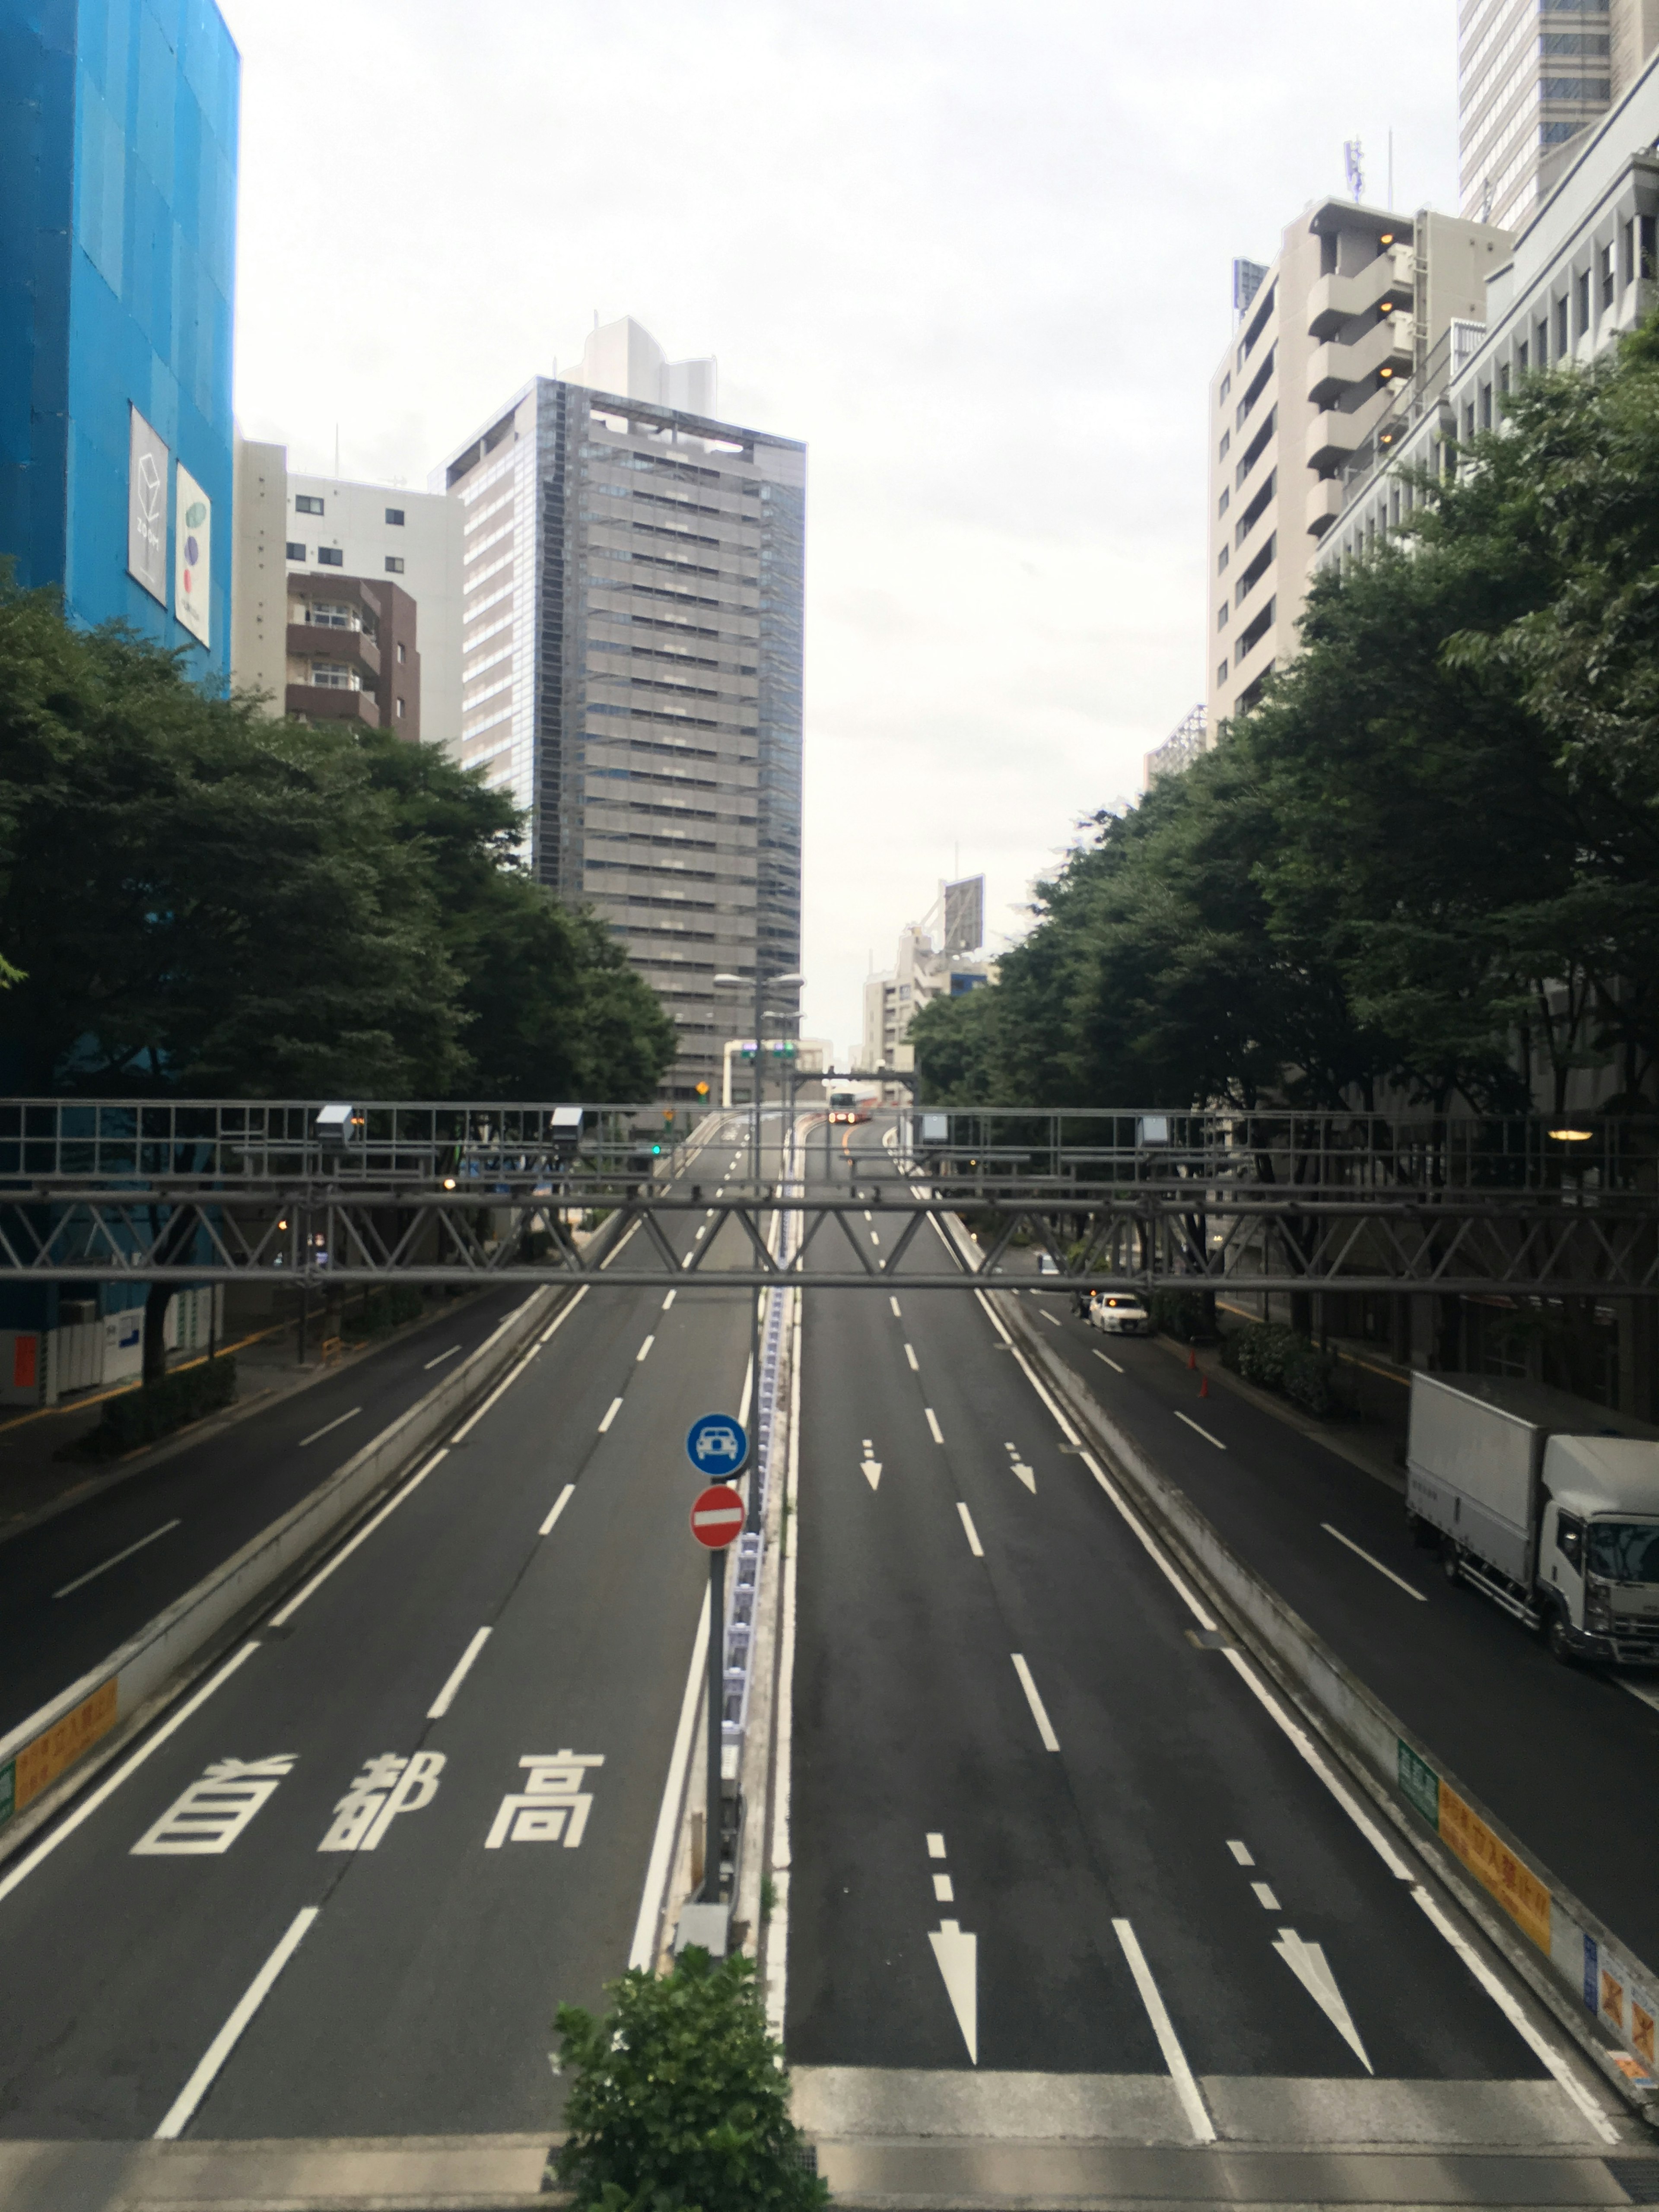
(680, 2101)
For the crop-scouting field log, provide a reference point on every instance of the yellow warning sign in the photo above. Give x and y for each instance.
(41, 1762)
(1493, 1865)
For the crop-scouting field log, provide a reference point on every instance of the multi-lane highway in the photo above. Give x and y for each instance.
(1057, 1863)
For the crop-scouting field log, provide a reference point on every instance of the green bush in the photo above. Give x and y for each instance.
(1182, 1315)
(384, 1310)
(142, 1417)
(1275, 1357)
(680, 2101)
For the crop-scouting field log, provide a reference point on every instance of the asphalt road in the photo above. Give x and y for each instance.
(1004, 1726)
(1568, 1757)
(418, 1999)
(197, 1508)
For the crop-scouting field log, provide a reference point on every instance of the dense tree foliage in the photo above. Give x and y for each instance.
(1429, 859)
(202, 898)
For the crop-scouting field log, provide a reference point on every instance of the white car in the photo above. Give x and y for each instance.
(1119, 1316)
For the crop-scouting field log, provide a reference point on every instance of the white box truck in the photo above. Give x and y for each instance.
(1549, 1504)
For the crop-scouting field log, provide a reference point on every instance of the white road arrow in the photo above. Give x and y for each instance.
(1025, 1476)
(959, 1961)
(870, 1466)
(1308, 1962)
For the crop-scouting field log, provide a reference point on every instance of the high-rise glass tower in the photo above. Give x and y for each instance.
(117, 240)
(631, 666)
(1530, 75)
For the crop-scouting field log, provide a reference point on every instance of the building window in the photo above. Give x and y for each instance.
(1221, 615)
(1502, 376)
(323, 614)
(394, 564)
(305, 504)
(1647, 246)
(1221, 505)
(1469, 420)
(330, 556)
(394, 515)
(400, 707)
(1221, 673)
(1226, 392)
(329, 676)
(1540, 332)
(400, 650)
(1486, 407)
(1521, 358)
(1221, 561)
(1581, 302)
(1606, 276)
(1561, 328)
(295, 552)
(1627, 253)
(1226, 441)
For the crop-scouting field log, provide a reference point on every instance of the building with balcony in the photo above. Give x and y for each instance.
(405, 546)
(632, 665)
(1584, 270)
(351, 654)
(1355, 302)
(1532, 75)
(118, 237)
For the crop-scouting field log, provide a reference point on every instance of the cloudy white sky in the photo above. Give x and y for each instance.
(977, 256)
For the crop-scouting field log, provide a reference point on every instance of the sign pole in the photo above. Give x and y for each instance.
(711, 1840)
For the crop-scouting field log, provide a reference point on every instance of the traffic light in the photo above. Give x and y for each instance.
(656, 1151)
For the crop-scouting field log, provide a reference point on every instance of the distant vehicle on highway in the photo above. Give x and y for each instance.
(1119, 1316)
(1546, 1503)
(847, 1106)
(1047, 1264)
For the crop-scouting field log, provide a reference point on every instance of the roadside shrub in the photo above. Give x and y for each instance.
(1182, 1315)
(383, 1310)
(1274, 1358)
(680, 2101)
(143, 1417)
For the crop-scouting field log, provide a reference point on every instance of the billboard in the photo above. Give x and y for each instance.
(964, 914)
(147, 508)
(192, 559)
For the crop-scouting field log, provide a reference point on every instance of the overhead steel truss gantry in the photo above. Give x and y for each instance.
(308, 1193)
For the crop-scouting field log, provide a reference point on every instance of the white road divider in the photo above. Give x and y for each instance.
(47, 1758)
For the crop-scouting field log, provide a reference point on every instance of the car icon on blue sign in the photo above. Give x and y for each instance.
(716, 1442)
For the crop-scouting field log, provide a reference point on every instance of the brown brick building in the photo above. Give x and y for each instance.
(352, 652)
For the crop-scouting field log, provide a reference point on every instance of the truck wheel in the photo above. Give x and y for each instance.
(1555, 1635)
(1449, 1562)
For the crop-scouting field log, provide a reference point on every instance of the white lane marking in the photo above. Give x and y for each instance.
(277, 1619)
(1304, 1743)
(748, 1392)
(338, 1422)
(1174, 2057)
(1515, 2012)
(1112, 1363)
(89, 1804)
(1646, 1691)
(910, 1354)
(642, 1951)
(669, 1300)
(564, 1498)
(446, 1697)
(1241, 1852)
(616, 1408)
(973, 1544)
(933, 1423)
(499, 1391)
(894, 1302)
(870, 1468)
(183, 2104)
(428, 1365)
(957, 1954)
(564, 1314)
(868, 1216)
(943, 1892)
(1308, 1962)
(935, 1845)
(1205, 1433)
(643, 1350)
(1048, 1316)
(1360, 1553)
(874, 1238)
(1039, 1712)
(103, 1568)
(701, 1233)
(777, 1948)
(1265, 1898)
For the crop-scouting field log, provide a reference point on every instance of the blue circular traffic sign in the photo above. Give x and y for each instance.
(715, 1444)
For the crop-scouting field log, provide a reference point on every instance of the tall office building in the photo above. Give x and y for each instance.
(1356, 302)
(117, 231)
(1532, 74)
(631, 642)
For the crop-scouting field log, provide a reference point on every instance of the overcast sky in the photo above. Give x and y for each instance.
(977, 256)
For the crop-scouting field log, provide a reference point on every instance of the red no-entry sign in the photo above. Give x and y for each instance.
(717, 1517)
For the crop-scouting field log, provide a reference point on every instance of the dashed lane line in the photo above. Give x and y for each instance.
(1111, 1363)
(428, 1365)
(338, 1422)
(973, 1544)
(104, 1566)
(1359, 1552)
(1198, 1431)
(446, 1697)
(616, 1408)
(933, 1423)
(560, 1503)
(1039, 1710)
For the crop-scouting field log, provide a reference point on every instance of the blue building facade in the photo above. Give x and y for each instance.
(118, 230)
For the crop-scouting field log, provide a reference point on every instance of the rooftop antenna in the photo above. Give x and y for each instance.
(337, 453)
(1390, 165)
(1353, 160)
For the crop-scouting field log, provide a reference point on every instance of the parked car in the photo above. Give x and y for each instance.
(1118, 1314)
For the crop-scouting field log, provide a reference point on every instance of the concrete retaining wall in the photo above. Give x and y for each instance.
(47, 1756)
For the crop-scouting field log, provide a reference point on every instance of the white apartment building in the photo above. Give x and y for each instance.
(1583, 271)
(289, 525)
(938, 957)
(1531, 74)
(1357, 301)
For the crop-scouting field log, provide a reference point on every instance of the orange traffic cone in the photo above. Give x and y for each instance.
(1192, 1358)
(1203, 1386)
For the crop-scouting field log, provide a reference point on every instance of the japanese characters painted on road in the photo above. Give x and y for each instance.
(213, 1812)
(388, 1785)
(717, 1517)
(716, 1444)
(552, 1807)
